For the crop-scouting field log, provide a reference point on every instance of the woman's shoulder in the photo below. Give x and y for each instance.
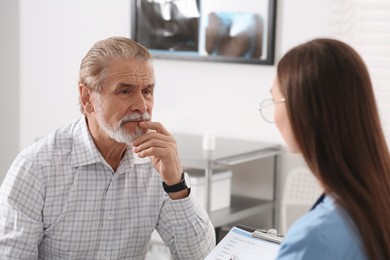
(326, 232)
(326, 218)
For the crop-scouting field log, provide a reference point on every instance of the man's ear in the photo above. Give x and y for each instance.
(85, 98)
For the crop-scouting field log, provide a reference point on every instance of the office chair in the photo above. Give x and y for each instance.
(300, 192)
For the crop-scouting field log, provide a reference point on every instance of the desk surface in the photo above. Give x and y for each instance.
(227, 149)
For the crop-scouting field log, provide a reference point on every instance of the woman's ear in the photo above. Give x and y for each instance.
(85, 98)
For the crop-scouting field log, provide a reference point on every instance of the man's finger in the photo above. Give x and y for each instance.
(158, 127)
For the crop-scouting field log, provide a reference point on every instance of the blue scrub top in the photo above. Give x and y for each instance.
(325, 232)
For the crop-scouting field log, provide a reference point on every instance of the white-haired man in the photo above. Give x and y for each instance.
(97, 188)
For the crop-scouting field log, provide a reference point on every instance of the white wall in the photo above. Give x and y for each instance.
(55, 35)
(9, 83)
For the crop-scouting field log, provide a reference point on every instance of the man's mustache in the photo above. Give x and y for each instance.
(135, 117)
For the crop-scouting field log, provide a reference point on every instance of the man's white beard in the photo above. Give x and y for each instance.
(118, 132)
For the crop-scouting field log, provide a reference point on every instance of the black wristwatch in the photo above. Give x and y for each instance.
(182, 185)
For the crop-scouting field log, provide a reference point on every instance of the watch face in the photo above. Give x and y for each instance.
(187, 180)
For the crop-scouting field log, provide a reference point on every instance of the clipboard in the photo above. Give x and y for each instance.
(247, 243)
(271, 234)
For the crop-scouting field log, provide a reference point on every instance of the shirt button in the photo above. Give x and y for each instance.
(109, 216)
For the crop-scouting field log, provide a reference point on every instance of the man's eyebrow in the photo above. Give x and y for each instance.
(127, 85)
(150, 86)
(130, 86)
(122, 85)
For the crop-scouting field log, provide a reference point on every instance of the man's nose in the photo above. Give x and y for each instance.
(139, 103)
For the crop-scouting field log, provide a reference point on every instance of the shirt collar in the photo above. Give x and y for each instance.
(85, 152)
(129, 160)
(319, 201)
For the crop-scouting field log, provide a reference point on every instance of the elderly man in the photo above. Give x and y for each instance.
(97, 188)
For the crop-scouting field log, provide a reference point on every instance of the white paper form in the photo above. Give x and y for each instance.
(239, 244)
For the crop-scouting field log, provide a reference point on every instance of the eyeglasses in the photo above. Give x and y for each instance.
(267, 108)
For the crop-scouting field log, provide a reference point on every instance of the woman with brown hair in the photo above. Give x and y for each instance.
(325, 108)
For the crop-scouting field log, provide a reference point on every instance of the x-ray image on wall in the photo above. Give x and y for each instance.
(234, 34)
(168, 25)
(214, 30)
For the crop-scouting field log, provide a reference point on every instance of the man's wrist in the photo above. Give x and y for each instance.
(175, 180)
(180, 194)
(183, 184)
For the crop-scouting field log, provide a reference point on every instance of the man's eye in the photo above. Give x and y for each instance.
(148, 92)
(124, 91)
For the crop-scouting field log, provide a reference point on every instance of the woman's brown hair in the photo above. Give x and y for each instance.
(334, 118)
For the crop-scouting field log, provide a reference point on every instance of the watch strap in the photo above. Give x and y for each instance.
(176, 187)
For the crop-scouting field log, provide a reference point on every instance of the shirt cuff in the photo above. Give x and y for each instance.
(185, 209)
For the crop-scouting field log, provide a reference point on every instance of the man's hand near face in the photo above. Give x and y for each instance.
(160, 146)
